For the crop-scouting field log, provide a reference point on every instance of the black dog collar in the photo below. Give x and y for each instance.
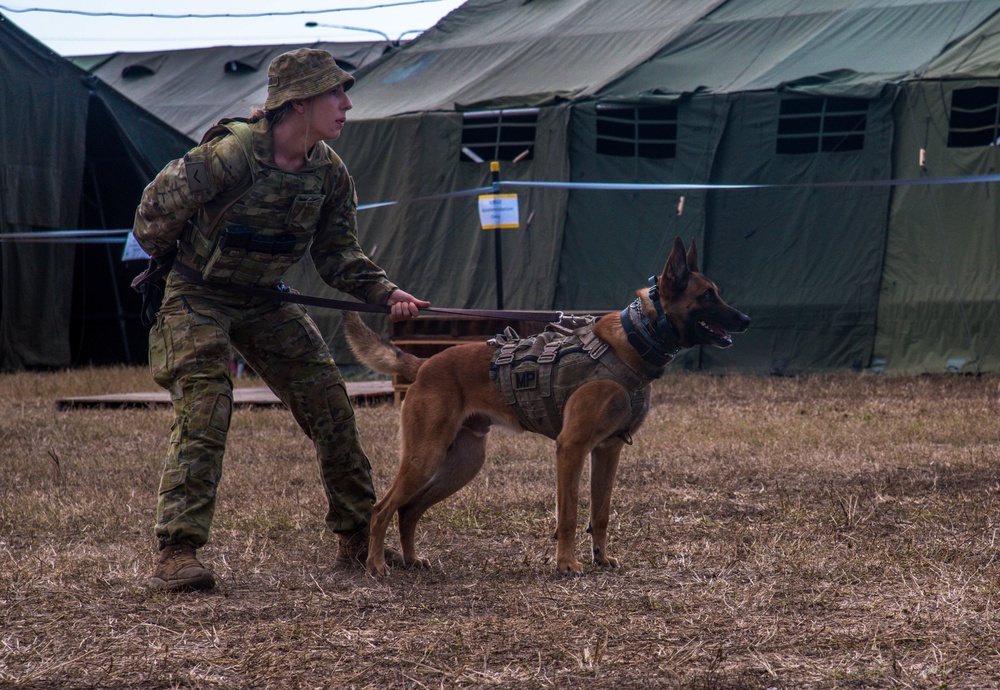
(656, 343)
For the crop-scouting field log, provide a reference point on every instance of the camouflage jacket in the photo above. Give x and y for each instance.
(216, 173)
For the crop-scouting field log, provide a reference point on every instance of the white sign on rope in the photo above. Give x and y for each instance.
(498, 211)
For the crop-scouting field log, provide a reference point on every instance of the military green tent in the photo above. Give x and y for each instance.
(822, 105)
(811, 100)
(193, 89)
(939, 305)
(75, 154)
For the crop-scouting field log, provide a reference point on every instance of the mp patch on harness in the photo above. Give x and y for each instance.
(525, 380)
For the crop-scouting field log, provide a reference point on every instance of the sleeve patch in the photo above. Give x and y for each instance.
(197, 176)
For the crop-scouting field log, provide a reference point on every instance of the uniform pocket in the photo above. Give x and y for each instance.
(173, 479)
(229, 254)
(222, 412)
(304, 213)
(184, 341)
(341, 410)
(159, 350)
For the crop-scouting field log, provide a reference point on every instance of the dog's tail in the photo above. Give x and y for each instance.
(376, 352)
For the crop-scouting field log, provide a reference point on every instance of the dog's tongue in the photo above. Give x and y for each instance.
(717, 332)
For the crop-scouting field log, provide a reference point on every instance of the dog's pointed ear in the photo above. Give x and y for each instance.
(676, 273)
(693, 257)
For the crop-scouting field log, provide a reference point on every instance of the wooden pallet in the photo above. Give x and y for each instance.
(358, 391)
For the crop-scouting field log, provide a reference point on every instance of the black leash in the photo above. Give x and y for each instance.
(154, 273)
(279, 295)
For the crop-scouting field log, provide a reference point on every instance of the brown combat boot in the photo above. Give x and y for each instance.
(177, 568)
(353, 550)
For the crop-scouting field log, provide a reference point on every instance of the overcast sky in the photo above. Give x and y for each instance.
(78, 34)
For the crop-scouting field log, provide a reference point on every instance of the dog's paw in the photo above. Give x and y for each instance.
(603, 560)
(419, 563)
(571, 568)
(393, 558)
(377, 569)
(606, 561)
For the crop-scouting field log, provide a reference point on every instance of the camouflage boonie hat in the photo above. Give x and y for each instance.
(302, 74)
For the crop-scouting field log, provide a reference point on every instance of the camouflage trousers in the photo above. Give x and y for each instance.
(190, 348)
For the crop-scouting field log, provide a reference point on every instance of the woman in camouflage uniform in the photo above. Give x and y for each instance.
(237, 211)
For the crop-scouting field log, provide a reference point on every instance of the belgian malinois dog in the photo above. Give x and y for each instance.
(452, 403)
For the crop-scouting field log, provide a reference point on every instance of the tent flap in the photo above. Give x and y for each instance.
(803, 262)
(940, 289)
(54, 175)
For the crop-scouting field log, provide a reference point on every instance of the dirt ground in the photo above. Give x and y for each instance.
(820, 532)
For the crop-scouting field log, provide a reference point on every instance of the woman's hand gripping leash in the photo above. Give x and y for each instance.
(403, 305)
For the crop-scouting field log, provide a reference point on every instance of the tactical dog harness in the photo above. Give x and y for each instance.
(537, 374)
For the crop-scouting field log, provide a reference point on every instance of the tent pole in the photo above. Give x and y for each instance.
(111, 269)
(118, 304)
(497, 239)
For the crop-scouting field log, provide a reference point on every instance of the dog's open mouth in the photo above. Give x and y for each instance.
(716, 336)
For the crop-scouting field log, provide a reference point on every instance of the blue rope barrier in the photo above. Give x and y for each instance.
(121, 235)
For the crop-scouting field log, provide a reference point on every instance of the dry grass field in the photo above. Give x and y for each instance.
(821, 532)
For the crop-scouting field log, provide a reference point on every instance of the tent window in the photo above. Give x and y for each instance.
(237, 67)
(822, 125)
(499, 135)
(135, 71)
(643, 132)
(973, 120)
